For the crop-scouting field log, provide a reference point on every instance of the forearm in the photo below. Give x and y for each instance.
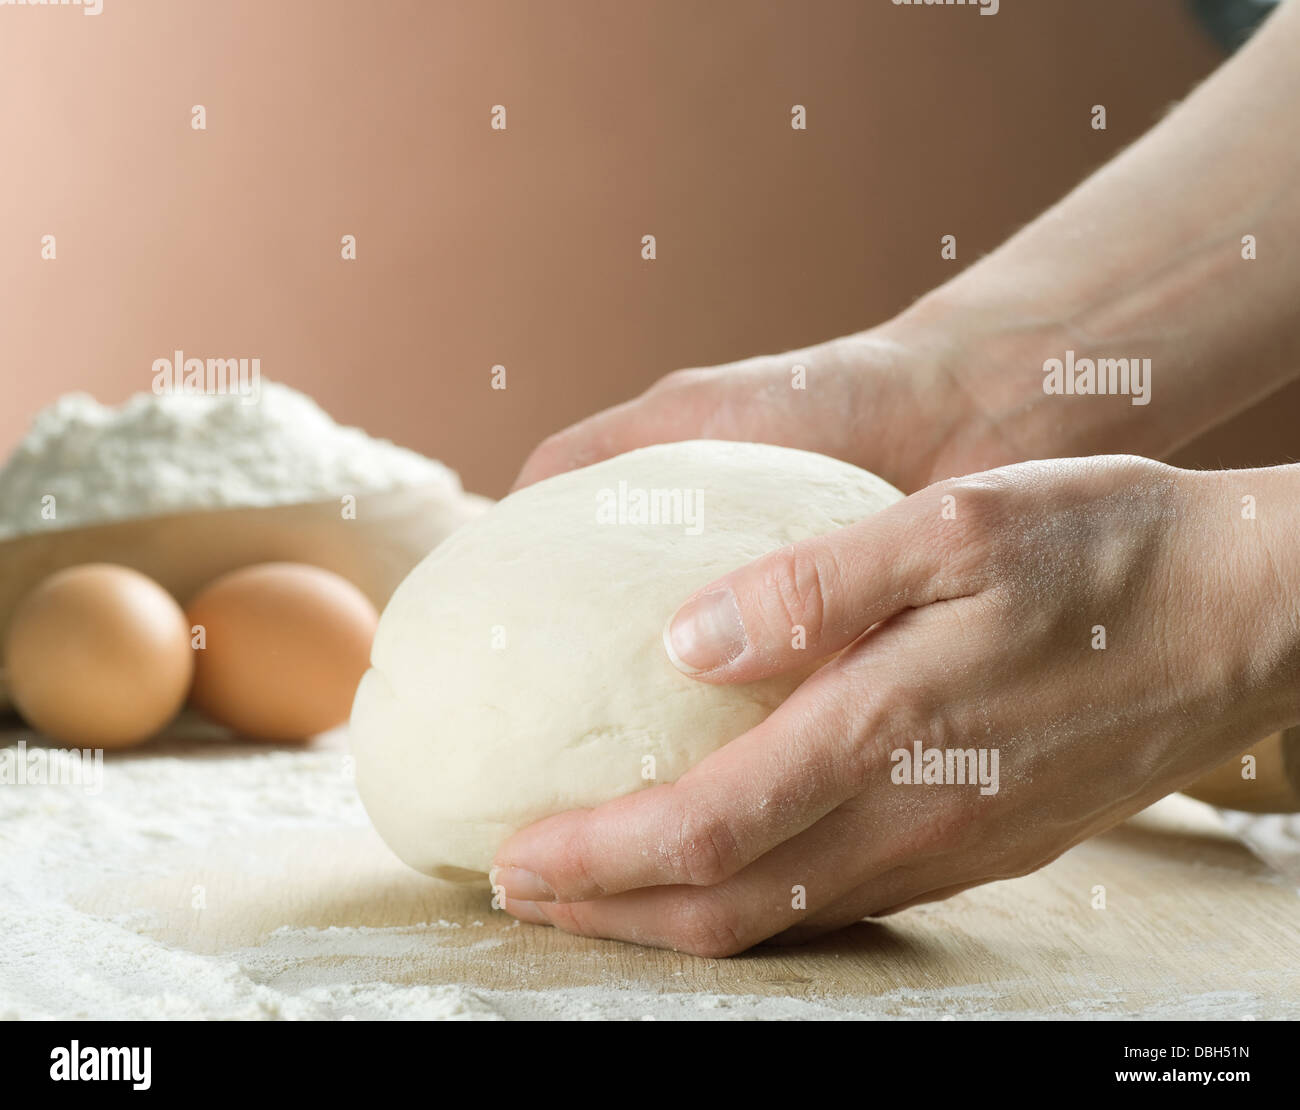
(1145, 260)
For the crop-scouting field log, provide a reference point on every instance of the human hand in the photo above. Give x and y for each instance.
(1110, 627)
(894, 400)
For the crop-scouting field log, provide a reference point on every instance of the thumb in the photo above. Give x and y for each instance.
(813, 598)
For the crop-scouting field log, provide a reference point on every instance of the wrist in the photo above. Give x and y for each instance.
(986, 360)
(1260, 570)
(1003, 352)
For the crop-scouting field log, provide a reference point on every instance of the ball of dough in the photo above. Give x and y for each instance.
(519, 670)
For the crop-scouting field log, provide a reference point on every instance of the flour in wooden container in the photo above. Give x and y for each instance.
(84, 463)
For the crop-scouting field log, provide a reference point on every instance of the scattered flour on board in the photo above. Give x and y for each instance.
(184, 799)
(1274, 837)
(187, 798)
(177, 452)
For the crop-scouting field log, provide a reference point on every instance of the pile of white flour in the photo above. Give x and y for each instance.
(174, 452)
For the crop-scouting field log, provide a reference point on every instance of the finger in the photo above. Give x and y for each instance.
(769, 896)
(636, 423)
(812, 598)
(937, 884)
(891, 892)
(937, 895)
(750, 795)
(829, 742)
(729, 402)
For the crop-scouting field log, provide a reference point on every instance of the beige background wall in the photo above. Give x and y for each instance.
(477, 247)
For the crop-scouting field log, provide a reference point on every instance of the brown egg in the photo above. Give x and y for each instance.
(282, 648)
(98, 656)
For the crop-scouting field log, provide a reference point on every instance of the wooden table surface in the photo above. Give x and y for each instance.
(1194, 925)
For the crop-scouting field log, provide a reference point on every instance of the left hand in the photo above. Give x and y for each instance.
(976, 629)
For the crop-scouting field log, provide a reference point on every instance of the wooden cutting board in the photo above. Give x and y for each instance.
(1194, 925)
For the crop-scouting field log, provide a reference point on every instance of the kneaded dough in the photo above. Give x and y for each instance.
(519, 670)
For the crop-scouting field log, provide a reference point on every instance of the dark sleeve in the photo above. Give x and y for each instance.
(1232, 22)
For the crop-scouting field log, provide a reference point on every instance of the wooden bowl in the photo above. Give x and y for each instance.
(392, 531)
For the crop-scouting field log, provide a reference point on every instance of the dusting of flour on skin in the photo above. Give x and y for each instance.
(157, 454)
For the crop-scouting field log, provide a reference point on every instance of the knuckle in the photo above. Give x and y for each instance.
(679, 379)
(564, 916)
(978, 505)
(970, 523)
(576, 868)
(554, 448)
(555, 443)
(704, 927)
(704, 850)
(797, 585)
(872, 727)
(577, 919)
(945, 829)
(1014, 870)
(952, 817)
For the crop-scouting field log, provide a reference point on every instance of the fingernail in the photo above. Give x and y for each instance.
(526, 911)
(521, 885)
(705, 633)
